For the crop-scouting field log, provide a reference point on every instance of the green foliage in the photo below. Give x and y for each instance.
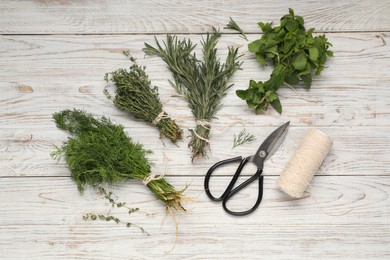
(202, 83)
(99, 152)
(294, 52)
(135, 94)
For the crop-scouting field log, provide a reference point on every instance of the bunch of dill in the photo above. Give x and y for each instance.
(202, 83)
(100, 152)
(135, 94)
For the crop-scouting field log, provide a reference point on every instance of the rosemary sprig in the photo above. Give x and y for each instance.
(100, 152)
(202, 83)
(135, 94)
(243, 137)
(232, 25)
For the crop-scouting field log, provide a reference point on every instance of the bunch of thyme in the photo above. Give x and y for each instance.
(202, 83)
(135, 94)
(100, 152)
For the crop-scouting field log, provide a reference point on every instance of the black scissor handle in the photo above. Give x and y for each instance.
(242, 186)
(232, 182)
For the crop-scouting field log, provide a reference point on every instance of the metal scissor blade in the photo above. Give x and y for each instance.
(270, 144)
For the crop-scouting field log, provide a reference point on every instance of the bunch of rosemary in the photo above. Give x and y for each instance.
(202, 83)
(135, 95)
(100, 152)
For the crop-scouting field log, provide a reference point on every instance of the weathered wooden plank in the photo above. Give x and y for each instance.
(340, 217)
(91, 17)
(42, 75)
(356, 150)
(52, 59)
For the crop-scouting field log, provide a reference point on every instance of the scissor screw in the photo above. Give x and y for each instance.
(263, 154)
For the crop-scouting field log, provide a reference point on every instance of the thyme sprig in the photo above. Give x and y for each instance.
(109, 217)
(101, 152)
(202, 83)
(242, 138)
(135, 94)
(232, 25)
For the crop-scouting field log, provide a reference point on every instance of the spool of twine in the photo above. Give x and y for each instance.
(304, 163)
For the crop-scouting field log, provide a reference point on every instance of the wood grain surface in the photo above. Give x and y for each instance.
(53, 56)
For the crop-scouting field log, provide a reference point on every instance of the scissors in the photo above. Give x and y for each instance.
(265, 150)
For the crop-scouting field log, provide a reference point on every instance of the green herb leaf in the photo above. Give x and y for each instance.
(313, 53)
(300, 61)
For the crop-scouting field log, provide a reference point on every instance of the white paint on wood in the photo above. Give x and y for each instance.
(152, 16)
(343, 215)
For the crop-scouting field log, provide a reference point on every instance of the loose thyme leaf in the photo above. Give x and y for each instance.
(295, 54)
(232, 25)
(135, 94)
(242, 138)
(202, 83)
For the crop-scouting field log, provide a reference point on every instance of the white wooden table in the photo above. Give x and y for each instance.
(53, 55)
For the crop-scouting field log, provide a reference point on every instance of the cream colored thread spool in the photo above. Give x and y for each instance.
(306, 160)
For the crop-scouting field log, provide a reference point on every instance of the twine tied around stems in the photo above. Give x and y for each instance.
(159, 117)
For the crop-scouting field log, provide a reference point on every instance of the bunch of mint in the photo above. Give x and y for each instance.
(295, 54)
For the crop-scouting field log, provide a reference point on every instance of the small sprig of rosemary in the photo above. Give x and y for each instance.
(202, 83)
(242, 138)
(135, 94)
(232, 25)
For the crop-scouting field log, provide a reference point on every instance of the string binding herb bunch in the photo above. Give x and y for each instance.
(100, 152)
(295, 54)
(202, 83)
(135, 94)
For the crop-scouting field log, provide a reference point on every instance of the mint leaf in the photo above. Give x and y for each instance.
(307, 80)
(255, 45)
(300, 61)
(277, 105)
(313, 53)
(295, 54)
